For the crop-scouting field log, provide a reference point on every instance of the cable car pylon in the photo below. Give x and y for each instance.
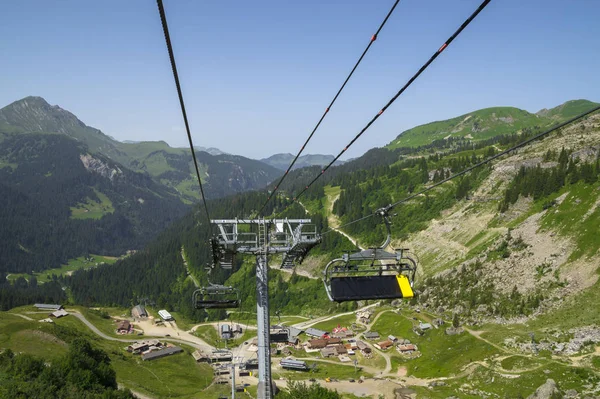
(260, 237)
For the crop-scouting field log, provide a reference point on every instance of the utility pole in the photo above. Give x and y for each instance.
(294, 239)
(232, 378)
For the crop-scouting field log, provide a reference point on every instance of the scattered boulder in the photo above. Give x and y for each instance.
(547, 391)
(454, 331)
(571, 393)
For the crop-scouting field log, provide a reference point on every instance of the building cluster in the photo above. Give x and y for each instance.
(153, 349)
(228, 331)
(56, 311)
(216, 356)
(404, 346)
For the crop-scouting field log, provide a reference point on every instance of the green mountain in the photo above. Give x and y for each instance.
(223, 174)
(487, 123)
(68, 190)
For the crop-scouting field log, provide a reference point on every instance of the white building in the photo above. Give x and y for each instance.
(166, 316)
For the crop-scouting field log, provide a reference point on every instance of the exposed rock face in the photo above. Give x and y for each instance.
(547, 391)
(97, 166)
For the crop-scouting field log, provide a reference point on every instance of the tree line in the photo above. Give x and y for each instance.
(84, 372)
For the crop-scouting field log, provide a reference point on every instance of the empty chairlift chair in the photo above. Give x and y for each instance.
(371, 274)
(216, 297)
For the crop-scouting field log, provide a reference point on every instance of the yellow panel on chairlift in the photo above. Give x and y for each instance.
(405, 288)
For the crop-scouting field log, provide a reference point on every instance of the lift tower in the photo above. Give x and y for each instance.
(260, 237)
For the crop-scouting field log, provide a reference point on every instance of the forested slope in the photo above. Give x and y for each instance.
(58, 201)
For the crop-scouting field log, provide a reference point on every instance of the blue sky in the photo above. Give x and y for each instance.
(256, 75)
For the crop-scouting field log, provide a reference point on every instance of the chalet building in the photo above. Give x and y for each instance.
(372, 335)
(406, 349)
(384, 345)
(294, 364)
(143, 346)
(328, 351)
(216, 356)
(293, 333)
(364, 348)
(317, 343)
(161, 353)
(139, 312)
(48, 306)
(343, 334)
(59, 313)
(124, 326)
(313, 332)
(339, 349)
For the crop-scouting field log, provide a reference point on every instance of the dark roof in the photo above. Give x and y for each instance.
(294, 364)
(161, 353)
(48, 306)
(371, 334)
(123, 325)
(293, 331)
(140, 309)
(315, 332)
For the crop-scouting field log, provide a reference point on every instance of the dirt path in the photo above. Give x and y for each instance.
(184, 337)
(23, 316)
(387, 357)
(189, 273)
(312, 322)
(334, 222)
(300, 272)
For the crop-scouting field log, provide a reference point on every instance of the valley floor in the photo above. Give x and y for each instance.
(466, 365)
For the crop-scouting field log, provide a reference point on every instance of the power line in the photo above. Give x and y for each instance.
(373, 38)
(163, 19)
(470, 168)
(391, 101)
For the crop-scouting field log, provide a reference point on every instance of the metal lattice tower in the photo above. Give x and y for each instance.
(291, 237)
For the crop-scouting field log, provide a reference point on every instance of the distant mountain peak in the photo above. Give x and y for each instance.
(282, 161)
(34, 114)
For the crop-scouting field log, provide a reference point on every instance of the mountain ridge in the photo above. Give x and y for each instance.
(223, 173)
(282, 161)
(487, 123)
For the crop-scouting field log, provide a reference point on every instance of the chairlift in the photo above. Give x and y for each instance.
(371, 274)
(215, 296)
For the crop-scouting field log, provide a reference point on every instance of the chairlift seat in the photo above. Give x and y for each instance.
(216, 297)
(357, 288)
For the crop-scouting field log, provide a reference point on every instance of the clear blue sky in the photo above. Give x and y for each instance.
(256, 75)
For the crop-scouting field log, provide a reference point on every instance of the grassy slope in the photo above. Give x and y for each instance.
(91, 209)
(72, 265)
(488, 123)
(481, 124)
(177, 376)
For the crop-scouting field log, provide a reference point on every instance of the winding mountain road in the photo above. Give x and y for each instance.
(190, 339)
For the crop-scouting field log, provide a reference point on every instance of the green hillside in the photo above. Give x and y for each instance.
(487, 123)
